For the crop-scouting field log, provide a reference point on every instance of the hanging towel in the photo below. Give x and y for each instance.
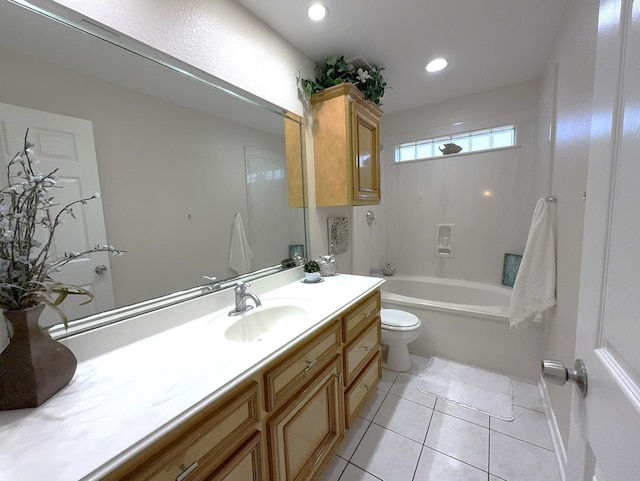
(240, 254)
(535, 287)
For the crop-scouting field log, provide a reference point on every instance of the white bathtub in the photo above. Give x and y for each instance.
(468, 322)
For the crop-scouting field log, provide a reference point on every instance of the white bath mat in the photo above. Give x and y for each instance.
(474, 388)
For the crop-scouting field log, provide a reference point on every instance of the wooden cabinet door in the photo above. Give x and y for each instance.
(366, 156)
(304, 433)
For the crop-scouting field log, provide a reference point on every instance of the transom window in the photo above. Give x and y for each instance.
(475, 141)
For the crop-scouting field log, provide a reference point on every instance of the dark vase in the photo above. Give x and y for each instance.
(33, 367)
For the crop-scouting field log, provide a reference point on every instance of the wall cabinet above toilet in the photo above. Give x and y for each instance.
(346, 147)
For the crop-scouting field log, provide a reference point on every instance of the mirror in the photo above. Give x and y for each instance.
(178, 156)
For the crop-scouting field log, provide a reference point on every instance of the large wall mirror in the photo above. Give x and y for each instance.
(179, 162)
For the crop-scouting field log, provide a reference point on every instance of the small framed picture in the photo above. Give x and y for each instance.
(296, 249)
(510, 269)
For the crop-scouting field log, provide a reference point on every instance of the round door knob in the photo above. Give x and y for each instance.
(555, 372)
(101, 269)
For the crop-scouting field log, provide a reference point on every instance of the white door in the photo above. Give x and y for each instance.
(66, 143)
(604, 441)
(270, 232)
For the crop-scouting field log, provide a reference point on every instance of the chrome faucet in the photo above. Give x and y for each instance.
(241, 299)
(212, 286)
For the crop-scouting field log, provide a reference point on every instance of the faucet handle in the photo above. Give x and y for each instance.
(242, 286)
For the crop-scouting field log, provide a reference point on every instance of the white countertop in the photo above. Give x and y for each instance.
(123, 400)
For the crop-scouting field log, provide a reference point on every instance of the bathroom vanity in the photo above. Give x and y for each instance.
(200, 398)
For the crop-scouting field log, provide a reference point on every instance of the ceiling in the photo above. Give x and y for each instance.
(489, 43)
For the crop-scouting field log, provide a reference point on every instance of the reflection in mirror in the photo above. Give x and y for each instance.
(180, 164)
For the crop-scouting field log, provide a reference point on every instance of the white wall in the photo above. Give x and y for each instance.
(220, 37)
(451, 189)
(565, 160)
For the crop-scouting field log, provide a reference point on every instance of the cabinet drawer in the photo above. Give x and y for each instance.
(283, 380)
(360, 351)
(206, 440)
(360, 316)
(245, 465)
(358, 394)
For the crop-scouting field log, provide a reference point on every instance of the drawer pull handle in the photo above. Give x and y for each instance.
(367, 387)
(365, 347)
(369, 313)
(310, 366)
(187, 471)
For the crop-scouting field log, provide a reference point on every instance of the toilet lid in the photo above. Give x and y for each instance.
(397, 318)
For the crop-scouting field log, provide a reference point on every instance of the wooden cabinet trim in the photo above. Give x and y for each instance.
(251, 449)
(358, 318)
(364, 385)
(291, 372)
(280, 461)
(168, 451)
(359, 352)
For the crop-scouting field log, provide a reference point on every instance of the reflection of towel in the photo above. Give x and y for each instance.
(240, 254)
(535, 288)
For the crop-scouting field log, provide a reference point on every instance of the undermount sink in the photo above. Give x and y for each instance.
(265, 320)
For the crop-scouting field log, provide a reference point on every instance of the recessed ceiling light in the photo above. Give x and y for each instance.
(317, 11)
(437, 64)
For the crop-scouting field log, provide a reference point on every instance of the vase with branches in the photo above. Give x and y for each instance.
(33, 367)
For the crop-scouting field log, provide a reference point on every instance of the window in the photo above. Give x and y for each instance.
(476, 141)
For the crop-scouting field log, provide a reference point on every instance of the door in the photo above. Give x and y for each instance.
(605, 425)
(270, 232)
(67, 143)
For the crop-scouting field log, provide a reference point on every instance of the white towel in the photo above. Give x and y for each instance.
(240, 254)
(535, 287)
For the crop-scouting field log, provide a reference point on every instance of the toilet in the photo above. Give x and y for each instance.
(399, 328)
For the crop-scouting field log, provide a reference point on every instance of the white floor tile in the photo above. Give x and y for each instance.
(527, 395)
(352, 438)
(418, 364)
(528, 425)
(494, 478)
(373, 404)
(406, 386)
(404, 417)
(388, 377)
(387, 455)
(516, 460)
(354, 473)
(462, 412)
(435, 466)
(334, 469)
(460, 439)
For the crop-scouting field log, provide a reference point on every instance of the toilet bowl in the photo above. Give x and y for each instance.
(399, 328)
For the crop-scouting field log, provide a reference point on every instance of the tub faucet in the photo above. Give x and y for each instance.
(241, 299)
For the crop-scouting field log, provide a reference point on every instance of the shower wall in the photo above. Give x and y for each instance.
(488, 197)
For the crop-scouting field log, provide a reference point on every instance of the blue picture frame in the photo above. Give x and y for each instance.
(510, 269)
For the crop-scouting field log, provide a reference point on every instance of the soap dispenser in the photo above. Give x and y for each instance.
(388, 270)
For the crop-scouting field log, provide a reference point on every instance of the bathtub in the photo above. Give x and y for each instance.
(467, 322)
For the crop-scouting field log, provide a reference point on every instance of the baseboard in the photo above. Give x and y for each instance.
(556, 438)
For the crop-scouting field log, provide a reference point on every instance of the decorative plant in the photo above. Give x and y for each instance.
(312, 266)
(288, 262)
(335, 70)
(28, 221)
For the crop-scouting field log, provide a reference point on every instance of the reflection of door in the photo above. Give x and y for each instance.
(66, 143)
(272, 224)
(605, 426)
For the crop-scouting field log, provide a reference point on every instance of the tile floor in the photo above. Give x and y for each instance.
(403, 434)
